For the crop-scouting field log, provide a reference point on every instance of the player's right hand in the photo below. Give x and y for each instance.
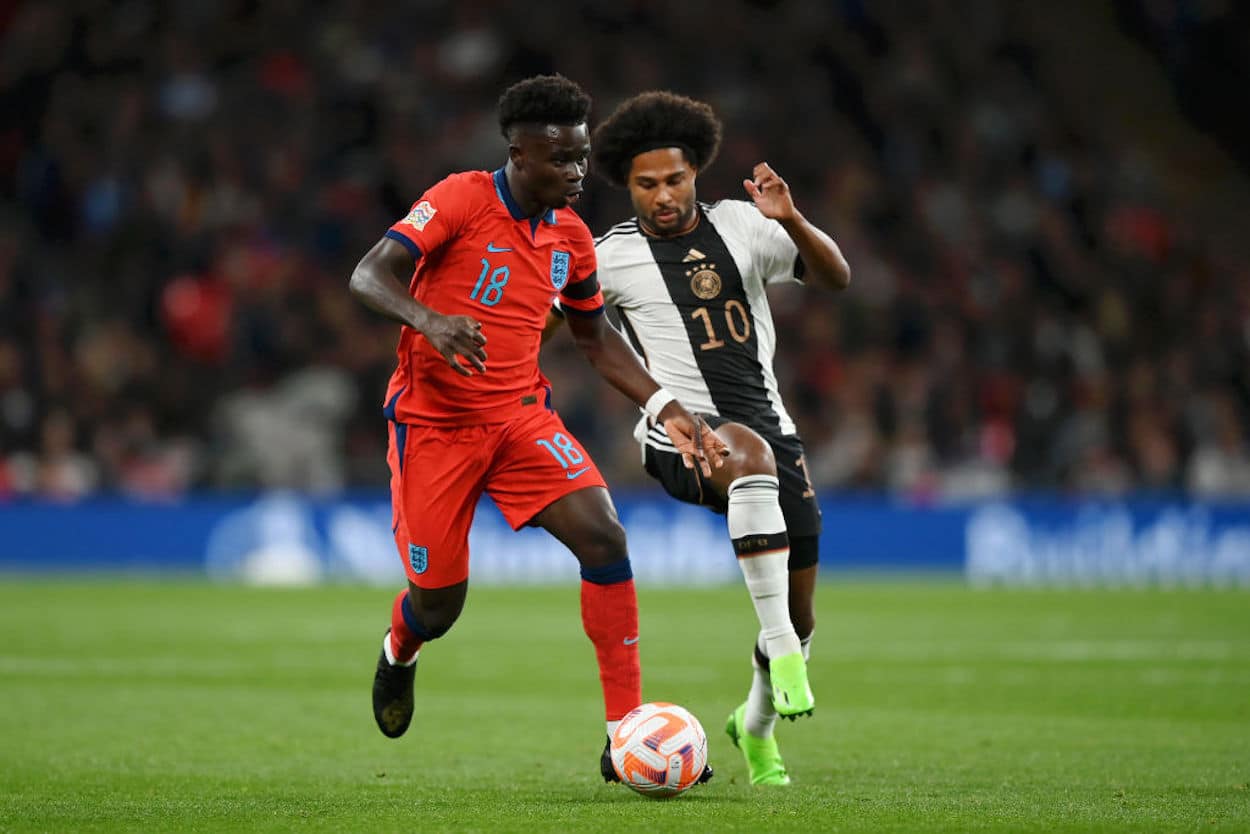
(693, 438)
(458, 336)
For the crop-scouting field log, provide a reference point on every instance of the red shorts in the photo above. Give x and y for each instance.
(439, 473)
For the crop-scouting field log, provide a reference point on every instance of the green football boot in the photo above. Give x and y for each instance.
(792, 696)
(763, 758)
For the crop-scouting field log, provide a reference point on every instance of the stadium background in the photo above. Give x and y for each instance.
(1048, 331)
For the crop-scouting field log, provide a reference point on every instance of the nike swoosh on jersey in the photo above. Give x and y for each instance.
(629, 641)
(491, 247)
(578, 473)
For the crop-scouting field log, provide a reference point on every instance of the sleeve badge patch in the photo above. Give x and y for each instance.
(421, 214)
(559, 269)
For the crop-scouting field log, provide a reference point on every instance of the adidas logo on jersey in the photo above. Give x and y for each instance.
(693, 255)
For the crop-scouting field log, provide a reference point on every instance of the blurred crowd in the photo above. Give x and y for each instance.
(185, 188)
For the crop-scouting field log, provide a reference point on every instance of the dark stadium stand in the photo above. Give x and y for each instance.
(1049, 288)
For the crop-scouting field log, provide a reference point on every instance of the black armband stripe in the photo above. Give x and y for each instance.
(582, 290)
(589, 314)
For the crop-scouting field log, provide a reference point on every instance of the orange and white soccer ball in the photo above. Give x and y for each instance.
(659, 749)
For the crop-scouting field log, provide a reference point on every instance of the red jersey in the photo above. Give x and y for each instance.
(478, 255)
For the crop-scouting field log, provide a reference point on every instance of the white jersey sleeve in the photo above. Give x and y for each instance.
(773, 253)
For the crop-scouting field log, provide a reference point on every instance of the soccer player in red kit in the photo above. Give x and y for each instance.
(471, 272)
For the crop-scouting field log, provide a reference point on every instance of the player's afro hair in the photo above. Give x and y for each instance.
(656, 119)
(543, 100)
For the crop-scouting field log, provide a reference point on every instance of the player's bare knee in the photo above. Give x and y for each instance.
(750, 454)
(601, 544)
(436, 610)
(437, 623)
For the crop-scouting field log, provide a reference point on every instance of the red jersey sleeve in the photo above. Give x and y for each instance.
(581, 295)
(435, 218)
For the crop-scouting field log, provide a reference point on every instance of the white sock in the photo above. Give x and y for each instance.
(612, 725)
(758, 530)
(760, 715)
(390, 656)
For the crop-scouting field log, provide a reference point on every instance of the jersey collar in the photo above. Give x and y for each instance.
(505, 197)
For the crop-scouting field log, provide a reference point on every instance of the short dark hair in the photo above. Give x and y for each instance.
(656, 119)
(543, 100)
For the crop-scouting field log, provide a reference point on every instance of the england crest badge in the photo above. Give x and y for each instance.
(559, 269)
(418, 558)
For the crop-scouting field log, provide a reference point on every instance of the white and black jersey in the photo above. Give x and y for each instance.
(694, 308)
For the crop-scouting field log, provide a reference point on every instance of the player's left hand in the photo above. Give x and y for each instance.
(770, 193)
(694, 438)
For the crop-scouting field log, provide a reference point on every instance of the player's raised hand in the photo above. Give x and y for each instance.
(694, 438)
(770, 193)
(458, 336)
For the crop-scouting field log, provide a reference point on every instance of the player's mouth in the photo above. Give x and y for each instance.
(665, 216)
(573, 195)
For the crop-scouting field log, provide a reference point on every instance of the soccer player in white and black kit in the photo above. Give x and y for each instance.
(687, 280)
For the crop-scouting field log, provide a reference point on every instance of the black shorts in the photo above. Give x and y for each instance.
(798, 498)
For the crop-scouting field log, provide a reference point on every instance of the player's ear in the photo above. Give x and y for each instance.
(516, 152)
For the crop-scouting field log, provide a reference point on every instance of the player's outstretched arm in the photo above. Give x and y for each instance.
(820, 254)
(377, 283)
(616, 362)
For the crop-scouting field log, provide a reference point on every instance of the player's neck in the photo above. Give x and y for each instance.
(685, 230)
(529, 206)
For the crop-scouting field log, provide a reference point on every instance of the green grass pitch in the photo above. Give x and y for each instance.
(142, 706)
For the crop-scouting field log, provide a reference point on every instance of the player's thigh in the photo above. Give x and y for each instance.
(586, 523)
(749, 454)
(542, 476)
(536, 463)
(437, 478)
(662, 462)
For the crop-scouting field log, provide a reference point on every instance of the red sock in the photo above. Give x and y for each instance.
(404, 643)
(610, 618)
